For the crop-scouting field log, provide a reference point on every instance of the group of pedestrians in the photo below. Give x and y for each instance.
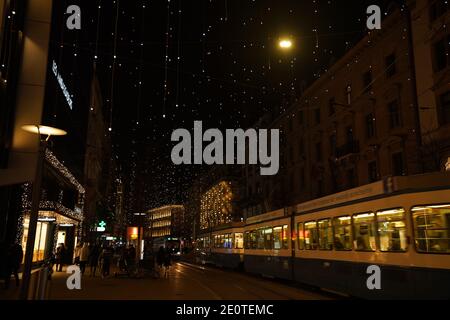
(94, 256)
(12, 257)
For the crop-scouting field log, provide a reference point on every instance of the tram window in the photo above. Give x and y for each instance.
(300, 236)
(432, 228)
(253, 240)
(325, 235)
(260, 239)
(392, 230)
(268, 238)
(247, 240)
(285, 237)
(311, 235)
(342, 227)
(364, 232)
(277, 238)
(228, 242)
(238, 241)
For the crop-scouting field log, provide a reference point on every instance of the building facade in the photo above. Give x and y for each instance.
(356, 124)
(165, 221)
(432, 51)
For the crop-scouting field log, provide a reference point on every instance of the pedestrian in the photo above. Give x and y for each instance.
(77, 254)
(93, 259)
(13, 262)
(84, 257)
(160, 259)
(60, 254)
(106, 257)
(167, 263)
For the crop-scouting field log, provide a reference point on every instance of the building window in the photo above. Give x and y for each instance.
(373, 171)
(394, 115)
(351, 178)
(367, 81)
(333, 144)
(300, 117)
(437, 9)
(441, 51)
(317, 116)
(319, 151)
(391, 65)
(348, 94)
(301, 148)
(397, 164)
(370, 125)
(302, 177)
(349, 132)
(332, 106)
(445, 108)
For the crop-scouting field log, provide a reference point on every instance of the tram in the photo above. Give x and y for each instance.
(401, 225)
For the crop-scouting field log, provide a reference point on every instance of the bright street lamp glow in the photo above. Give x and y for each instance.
(285, 44)
(44, 130)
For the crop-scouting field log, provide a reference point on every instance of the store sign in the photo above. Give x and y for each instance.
(47, 219)
(62, 85)
(101, 226)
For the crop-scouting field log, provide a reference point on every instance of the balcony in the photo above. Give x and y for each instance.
(347, 149)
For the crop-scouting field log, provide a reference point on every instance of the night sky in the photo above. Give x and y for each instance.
(186, 60)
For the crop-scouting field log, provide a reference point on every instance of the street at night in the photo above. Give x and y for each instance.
(281, 152)
(186, 282)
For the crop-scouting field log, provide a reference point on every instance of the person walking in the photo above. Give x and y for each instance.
(60, 254)
(84, 257)
(106, 257)
(77, 254)
(160, 260)
(93, 259)
(167, 263)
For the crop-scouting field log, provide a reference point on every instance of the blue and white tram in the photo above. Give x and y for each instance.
(268, 245)
(406, 233)
(223, 247)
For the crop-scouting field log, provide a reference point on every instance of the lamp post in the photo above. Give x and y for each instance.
(36, 198)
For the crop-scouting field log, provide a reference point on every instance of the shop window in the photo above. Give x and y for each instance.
(432, 228)
(342, 227)
(364, 232)
(311, 236)
(300, 236)
(392, 230)
(41, 239)
(325, 235)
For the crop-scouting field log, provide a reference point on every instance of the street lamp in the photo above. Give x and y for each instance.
(285, 44)
(36, 198)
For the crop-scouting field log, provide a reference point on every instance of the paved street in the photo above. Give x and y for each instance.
(186, 282)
